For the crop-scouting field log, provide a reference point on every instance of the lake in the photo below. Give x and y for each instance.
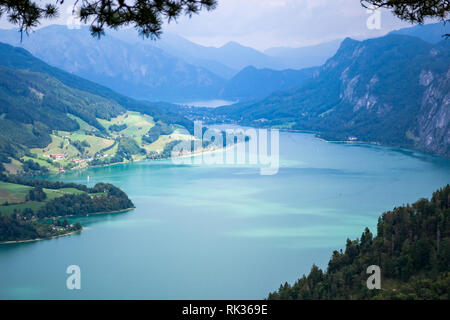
(222, 232)
(207, 103)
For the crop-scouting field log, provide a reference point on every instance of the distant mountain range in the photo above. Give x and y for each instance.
(392, 90)
(139, 70)
(227, 60)
(305, 57)
(176, 69)
(433, 32)
(253, 83)
(171, 69)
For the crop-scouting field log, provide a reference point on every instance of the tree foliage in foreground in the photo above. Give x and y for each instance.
(147, 16)
(414, 11)
(412, 248)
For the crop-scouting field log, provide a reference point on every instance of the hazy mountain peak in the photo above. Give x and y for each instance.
(234, 44)
(432, 33)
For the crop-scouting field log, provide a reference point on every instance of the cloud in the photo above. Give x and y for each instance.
(267, 23)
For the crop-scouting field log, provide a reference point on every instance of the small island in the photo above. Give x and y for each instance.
(32, 210)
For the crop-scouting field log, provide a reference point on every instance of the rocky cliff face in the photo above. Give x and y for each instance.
(432, 132)
(414, 98)
(392, 90)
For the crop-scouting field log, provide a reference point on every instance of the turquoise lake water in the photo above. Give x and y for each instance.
(222, 232)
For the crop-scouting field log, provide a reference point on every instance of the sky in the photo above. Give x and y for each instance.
(262, 24)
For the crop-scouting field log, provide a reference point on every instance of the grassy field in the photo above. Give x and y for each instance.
(12, 193)
(14, 166)
(84, 126)
(137, 125)
(42, 161)
(96, 143)
(59, 145)
(8, 210)
(15, 195)
(158, 145)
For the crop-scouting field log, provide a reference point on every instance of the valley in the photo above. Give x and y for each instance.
(87, 132)
(89, 125)
(209, 217)
(398, 99)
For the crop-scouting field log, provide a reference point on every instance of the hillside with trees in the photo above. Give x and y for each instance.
(253, 83)
(412, 248)
(52, 120)
(391, 90)
(33, 209)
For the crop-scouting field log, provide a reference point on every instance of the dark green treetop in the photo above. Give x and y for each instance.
(147, 16)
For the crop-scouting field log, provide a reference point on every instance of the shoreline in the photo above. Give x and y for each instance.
(193, 154)
(354, 142)
(107, 212)
(69, 233)
(224, 149)
(316, 135)
(41, 239)
(91, 214)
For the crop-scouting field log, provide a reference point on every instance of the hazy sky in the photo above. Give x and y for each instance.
(267, 23)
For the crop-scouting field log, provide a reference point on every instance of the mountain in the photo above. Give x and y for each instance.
(412, 249)
(33, 104)
(305, 57)
(226, 60)
(392, 90)
(179, 47)
(18, 58)
(432, 32)
(196, 54)
(169, 69)
(148, 71)
(253, 83)
(48, 114)
(238, 57)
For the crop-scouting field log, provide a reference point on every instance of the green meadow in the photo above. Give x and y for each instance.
(13, 197)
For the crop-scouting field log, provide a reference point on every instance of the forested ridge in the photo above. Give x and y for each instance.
(390, 90)
(34, 104)
(103, 197)
(38, 100)
(33, 221)
(412, 248)
(15, 229)
(20, 59)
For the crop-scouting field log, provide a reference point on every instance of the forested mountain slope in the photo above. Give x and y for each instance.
(18, 58)
(148, 72)
(412, 249)
(34, 104)
(392, 90)
(253, 83)
(50, 119)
